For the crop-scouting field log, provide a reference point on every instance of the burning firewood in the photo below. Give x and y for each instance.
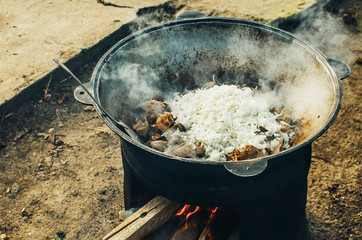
(192, 227)
(145, 220)
(206, 233)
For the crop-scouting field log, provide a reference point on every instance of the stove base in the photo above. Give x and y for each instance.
(280, 215)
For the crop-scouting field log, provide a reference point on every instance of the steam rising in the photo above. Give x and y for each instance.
(325, 31)
(181, 58)
(139, 82)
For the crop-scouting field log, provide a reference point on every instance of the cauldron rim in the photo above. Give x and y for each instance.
(242, 22)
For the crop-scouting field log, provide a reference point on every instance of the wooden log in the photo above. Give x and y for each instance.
(207, 232)
(192, 227)
(148, 218)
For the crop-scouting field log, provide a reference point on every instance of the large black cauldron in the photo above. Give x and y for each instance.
(185, 54)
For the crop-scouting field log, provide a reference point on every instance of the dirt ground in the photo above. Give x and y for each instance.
(71, 188)
(34, 32)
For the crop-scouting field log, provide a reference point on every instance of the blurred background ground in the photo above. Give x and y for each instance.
(72, 189)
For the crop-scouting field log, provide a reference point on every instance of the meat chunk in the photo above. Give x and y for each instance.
(293, 140)
(141, 128)
(262, 129)
(209, 84)
(285, 115)
(164, 122)
(153, 106)
(185, 150)
(159, 145)
(152, 109)
(279, 147)
(171, 138)
(243, 153)
(285, 128)
(151, 117)
(156, 136)
(180, 127)
(200, 150)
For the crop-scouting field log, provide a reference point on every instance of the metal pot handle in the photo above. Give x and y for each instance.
(341, 69)
(247, 168)
(81, 96)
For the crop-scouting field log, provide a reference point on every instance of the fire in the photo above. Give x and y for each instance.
(189, 211)
(207, 229)
(186, 210)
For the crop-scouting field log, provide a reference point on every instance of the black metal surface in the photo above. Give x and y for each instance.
(268, 206)
(212, 185)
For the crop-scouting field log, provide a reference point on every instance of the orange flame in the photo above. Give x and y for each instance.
(187, 211)
(183, 210)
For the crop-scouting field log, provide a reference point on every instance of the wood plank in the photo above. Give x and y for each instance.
(147, 219)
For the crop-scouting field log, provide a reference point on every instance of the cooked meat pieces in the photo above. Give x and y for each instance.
(171, 138)
(164, 133)
(209, 84)
(262, 129)
(152, 109)
(153, 106)
(279, 147)
(200, 151)
(293, 139)
(141, 128)
(243, 153)
(185, 150)
(285, 128)
(159, 145)
(180, 127)
(156, 136)
(285, 115)
(164, 122)
(151, 117)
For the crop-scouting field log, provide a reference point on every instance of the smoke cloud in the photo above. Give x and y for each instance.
(181, 58)
(323, 26)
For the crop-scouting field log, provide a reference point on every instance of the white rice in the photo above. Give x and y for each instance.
(224, 118)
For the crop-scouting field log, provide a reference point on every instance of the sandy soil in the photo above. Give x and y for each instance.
(34, 32)
(263, 10)
(72, 189)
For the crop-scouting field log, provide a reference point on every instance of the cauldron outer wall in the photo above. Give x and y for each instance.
(272, 204)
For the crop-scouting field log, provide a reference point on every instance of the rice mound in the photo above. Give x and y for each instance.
(224, 118)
